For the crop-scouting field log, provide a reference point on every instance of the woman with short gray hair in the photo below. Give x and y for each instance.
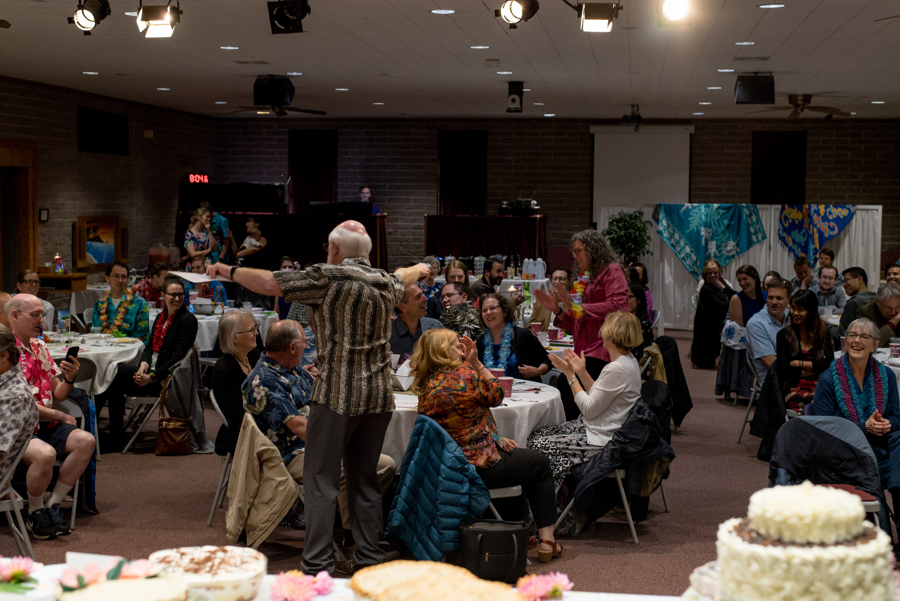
(237, 338)
(18, 411)
(859, 388)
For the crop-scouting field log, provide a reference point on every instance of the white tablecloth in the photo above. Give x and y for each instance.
(516, 418)
(85, 299)
(104, 354)
(208, 329)
(882, 357)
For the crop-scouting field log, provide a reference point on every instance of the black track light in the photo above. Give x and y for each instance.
(89, 13)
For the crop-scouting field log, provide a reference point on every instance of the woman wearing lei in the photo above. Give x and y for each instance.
(600, 288)
(859, 388)
(504, 346)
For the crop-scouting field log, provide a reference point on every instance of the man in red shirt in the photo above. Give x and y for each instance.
(57, 435)
(150, 288)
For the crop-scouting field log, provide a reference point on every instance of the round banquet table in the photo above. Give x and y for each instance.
(208, 328)
(519, 415)
(105, 353)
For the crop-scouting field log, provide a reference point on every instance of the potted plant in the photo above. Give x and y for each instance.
(627, 235)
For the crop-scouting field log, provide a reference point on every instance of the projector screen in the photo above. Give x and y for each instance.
(644, 168)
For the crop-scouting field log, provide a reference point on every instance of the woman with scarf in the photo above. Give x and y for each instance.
(859, 388)
(505, 346)
(601, 289)
(171, 336)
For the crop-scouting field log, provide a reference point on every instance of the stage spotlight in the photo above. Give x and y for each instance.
(158, 21)
(514, 11)
(89, 13)
(675, 10)
(286, 16)
(598, 18)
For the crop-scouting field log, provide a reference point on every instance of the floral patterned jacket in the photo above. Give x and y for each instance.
(131, 316)
(18, 416)
(274, 395)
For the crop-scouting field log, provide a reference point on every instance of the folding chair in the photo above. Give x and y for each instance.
(88, 318)
(206, 363)
(695, 300)
(75, 411)
(86, 373)
(551, 377)
(754, 395)
(219, 499)
(503, 493)
(618, 475)
(12, 502)
(654, 318)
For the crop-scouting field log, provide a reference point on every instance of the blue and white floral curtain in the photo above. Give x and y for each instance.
(804, 229)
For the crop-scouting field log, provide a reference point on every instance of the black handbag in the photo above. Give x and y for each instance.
(494, 549)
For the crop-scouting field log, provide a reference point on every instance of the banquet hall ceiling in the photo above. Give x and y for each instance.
(419, 64)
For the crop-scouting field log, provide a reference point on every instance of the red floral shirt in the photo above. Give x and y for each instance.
(460, 401)
(38, 367)
(147, 291)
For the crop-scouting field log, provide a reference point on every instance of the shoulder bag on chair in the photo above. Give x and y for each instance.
(493, 549)
(174, 436)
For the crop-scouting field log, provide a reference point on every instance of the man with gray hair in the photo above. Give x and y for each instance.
(352, 398)
(885, 312)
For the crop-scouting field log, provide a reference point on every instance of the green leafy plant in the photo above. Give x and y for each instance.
(628, 236)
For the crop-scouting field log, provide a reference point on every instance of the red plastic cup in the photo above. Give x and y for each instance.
(498, 373)
(507, 384)
(536, 328)
(895, 350)
(553, 333)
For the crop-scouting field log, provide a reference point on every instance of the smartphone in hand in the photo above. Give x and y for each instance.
(72, 352)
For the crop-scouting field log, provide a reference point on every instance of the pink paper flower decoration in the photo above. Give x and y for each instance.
(136, 569)
(295, 586)
(16, 569)
(540, 588)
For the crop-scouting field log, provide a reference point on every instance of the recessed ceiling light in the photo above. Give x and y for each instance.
(378, 103)
(131, 13)
(704, 103)
(878, 102)
(262, 112)
(443, 11)
(698, 113)
(526, 89)
(479, 47)
(549, 114)
(504, 72)
(852, 113)
(538, 104)
(90, 73)
(714, 88)
(163, 89)
(725, 70)
(229, 48)
(745, 43)
(221, 102)
(771, 5)
(294, 73)
(342, 89)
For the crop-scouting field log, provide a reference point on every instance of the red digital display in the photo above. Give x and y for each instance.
(197, 178)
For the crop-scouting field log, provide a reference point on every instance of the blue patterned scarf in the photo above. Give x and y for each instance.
(804, 229)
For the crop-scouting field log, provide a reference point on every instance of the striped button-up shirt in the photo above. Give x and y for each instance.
(351, 305)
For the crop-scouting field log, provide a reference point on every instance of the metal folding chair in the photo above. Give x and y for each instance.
(88, 319)
(219, 499)
(654, 318)
(12, 502)
(618, 475)
(551, 377)
(754, 395)
(75, 411)
(503, 493)
(695, 300)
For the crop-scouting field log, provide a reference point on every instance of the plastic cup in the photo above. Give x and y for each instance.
(895, 348)
(229, 303)
(193, 295)
(536, 328)
(553, 333)
(507, 384)
(498, 373)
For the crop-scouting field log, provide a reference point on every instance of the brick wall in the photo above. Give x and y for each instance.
(398, 159)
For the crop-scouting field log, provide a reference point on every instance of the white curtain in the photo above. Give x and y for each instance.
(672, 286)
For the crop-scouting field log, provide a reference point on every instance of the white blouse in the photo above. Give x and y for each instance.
(610, 399)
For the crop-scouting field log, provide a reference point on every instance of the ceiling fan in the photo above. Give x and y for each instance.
(280, 111)
(885, 18)
(272, 93)
(801, 103)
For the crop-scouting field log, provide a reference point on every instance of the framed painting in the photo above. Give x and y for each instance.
(99, 241)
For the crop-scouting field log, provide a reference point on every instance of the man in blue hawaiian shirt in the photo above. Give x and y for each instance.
(120, 312)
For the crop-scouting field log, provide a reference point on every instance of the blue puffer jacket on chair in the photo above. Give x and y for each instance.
(438, 490)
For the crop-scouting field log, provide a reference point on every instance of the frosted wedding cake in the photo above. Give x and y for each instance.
(803, 543)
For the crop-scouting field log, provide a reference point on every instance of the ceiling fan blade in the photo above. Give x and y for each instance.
(771, 108)
(795, 114)
(308, 111)
(886, 18)
(279, 111)
(828, 109)
(4, 24)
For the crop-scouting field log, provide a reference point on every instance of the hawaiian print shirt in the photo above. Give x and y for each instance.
(148, 292)
(131, 318)
(18, 415)
(460, 401)
(198, 241)
(274, 395)
(430, 291)
(38, 367)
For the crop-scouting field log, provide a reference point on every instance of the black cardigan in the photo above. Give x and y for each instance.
(227, 379)
(179, 339)
(527, 349)
(789, 376)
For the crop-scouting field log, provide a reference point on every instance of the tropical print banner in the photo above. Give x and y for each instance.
(697, 232)
(804, 229)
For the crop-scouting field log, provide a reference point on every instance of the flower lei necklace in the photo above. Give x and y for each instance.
(162, 326)
(505, 348)
(124, 305)
(874, 390)
(578, 287)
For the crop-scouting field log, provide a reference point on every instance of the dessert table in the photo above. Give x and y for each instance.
(104, 352)
(531, 406)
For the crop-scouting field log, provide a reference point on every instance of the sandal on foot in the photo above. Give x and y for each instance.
(547, 556)
(532, 542)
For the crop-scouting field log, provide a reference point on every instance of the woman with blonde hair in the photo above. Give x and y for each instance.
(197, 240)
(604, 403)
(457, 391)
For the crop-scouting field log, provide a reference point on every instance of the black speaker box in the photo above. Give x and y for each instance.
(754, 89)
(273, 91)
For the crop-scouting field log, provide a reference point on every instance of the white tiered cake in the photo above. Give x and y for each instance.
(803, 543)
